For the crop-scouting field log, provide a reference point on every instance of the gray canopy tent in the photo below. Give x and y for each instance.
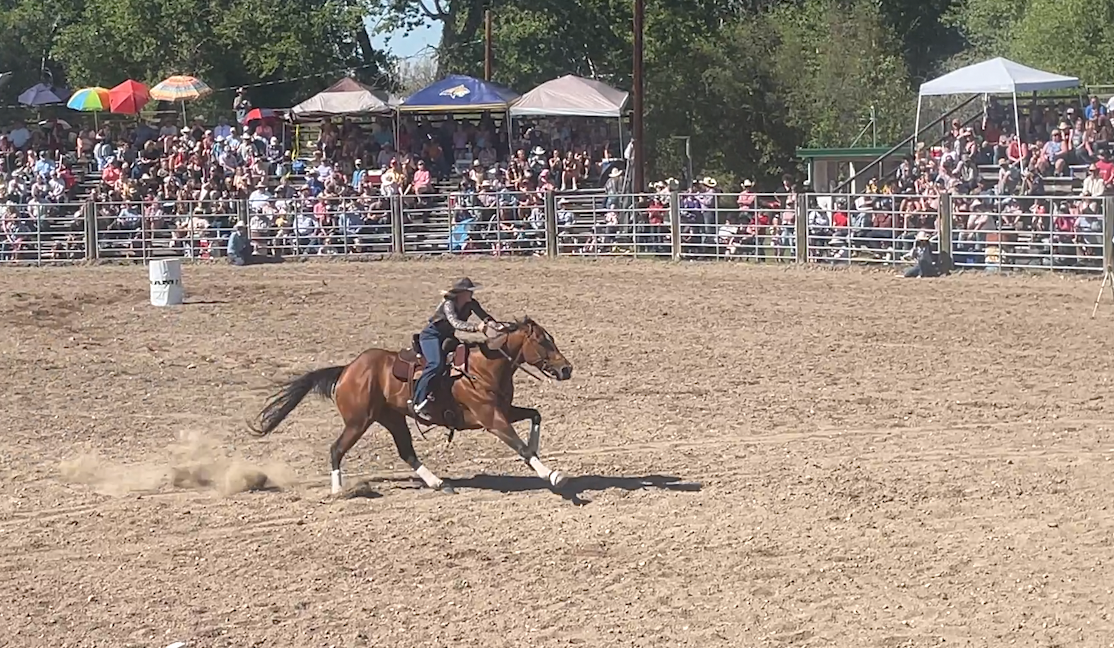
(996, 76)
(573, 96)
(345, 97)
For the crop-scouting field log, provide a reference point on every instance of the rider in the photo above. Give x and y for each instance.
(452, 314)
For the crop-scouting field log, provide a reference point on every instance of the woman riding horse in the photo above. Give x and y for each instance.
(457, 305)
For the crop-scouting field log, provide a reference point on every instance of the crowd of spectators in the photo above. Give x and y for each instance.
(38, 188)
(185, 187)
(1028, 198)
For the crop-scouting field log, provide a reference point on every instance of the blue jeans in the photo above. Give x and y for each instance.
(430, 342)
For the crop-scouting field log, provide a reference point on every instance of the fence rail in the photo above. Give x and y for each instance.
(980, 232)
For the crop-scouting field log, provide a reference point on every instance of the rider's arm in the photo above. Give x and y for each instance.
(456, 322)
(481, 313)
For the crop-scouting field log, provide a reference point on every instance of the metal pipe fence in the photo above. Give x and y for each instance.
(985, 232)
(42, 232)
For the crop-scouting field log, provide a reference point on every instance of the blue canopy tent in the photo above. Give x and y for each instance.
(460, 94)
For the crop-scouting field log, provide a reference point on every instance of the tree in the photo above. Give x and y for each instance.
(833, 61)
(987, 26)
(1041, 32)
(224, 42)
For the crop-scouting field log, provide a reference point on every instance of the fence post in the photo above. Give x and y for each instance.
(551, 250)
(944, 227)
(675, 222)
(1107, 233)
(800, 225)
(397, 242)
(89, 210)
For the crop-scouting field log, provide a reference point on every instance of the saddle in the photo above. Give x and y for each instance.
(409, 363)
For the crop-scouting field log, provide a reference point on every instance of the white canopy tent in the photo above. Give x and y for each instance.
(572, 96)
(996, 76)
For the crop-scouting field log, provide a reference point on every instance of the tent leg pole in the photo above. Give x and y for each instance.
(917, 123)
(1016, 118)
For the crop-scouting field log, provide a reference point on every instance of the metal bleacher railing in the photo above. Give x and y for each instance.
(983, 232)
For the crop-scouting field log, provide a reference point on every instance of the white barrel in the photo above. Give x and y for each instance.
(166, 282)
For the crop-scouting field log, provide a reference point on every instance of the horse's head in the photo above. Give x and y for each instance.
(536, 347)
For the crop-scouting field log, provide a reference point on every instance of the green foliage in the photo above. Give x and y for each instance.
(1042, 31)
(223, 42)
(747, 80)
(832, 63)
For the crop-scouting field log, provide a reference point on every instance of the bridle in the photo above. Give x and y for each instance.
(519, 362)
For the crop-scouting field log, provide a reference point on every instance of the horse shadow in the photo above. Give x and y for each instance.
(576, 486)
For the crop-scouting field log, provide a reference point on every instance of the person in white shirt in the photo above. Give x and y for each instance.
(19, 135)
(259, 197)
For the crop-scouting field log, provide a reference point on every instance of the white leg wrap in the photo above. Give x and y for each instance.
(336, 482)
(539, 467)
(431, 480)
(554, 477)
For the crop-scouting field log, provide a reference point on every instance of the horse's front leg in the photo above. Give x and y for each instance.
(517, 414)
(500, 425)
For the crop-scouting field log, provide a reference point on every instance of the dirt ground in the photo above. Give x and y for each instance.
(763, 456)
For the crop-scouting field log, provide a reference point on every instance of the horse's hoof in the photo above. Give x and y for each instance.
(446, 489)
(558, 479)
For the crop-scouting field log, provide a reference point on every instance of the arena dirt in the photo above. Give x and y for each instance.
(762, 456)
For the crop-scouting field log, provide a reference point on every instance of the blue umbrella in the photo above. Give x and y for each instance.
(41, 94)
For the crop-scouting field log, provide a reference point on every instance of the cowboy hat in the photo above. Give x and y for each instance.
(922, 236)
(463, 284)
(709, 182)
(615, 172)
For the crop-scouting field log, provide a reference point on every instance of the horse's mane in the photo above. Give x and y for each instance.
(508, 328)
(518, 323)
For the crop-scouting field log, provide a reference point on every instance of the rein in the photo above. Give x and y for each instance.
(517, 362)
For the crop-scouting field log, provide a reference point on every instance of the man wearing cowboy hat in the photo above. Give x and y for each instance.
(239, 245)
(924, 259)
(452, 314)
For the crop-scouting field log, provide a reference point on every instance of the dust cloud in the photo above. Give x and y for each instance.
(193, 462)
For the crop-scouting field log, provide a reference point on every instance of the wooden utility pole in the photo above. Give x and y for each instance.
(488, 62)
(637, 134)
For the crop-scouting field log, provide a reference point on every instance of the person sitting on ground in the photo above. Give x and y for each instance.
(239, 245)
(925, 263)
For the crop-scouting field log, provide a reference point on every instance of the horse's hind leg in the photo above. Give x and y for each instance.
(352, 433)
(358, 416)
(396, 425)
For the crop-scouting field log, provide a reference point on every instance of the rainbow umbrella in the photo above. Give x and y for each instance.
(92, 100)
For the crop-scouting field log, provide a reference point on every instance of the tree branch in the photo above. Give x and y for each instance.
(437, 13)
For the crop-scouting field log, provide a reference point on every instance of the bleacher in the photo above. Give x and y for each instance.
(425, 230)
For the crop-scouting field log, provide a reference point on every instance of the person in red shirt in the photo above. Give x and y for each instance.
(1105, 168)
(111, 173)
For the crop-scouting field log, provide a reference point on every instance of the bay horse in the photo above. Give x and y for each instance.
(367, 391)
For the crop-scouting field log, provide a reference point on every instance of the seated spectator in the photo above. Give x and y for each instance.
(925, 263)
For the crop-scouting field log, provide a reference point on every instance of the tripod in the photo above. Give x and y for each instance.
(1107, 278)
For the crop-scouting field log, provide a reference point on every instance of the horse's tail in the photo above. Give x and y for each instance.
(323, 382)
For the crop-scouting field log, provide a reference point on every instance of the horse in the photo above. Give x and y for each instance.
(371, 389)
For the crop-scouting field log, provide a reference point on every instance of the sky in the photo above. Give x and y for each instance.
(402, 45)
